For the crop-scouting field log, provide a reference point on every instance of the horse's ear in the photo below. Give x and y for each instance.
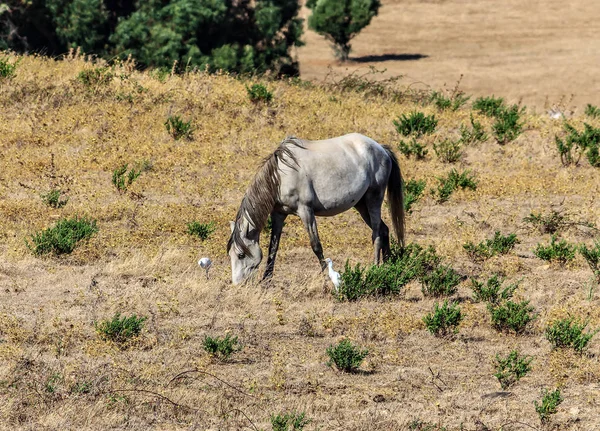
(232, 226)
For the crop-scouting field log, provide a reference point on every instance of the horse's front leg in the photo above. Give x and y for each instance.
(277, 220)
(307, 215)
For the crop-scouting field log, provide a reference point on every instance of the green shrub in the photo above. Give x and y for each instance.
(475, 134)
(577, 143)
(489, 106)
(7, 69)
(444, 320)
(512, 316)
(221, 347)
(259, 93)
(120, 329)
(412, 148)
(201, 230)
(346, 356)
(491, 292)
(96, 77)
(592, 257)
(448, 150)
(415, 124)
(508, 125)
(568, 332)
(549, 404)
(500, 244)
(547, 223)
(561, 252)
(53, 199)
(122, 179)
(452, 102)
(510, 369)
(63, 236)
(178, 128)
(442, 281)
(413, 190)
(289, 421)
(592, 111)
(452, 182)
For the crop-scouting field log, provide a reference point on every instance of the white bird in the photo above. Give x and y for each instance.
(333, 275)
(205, 263)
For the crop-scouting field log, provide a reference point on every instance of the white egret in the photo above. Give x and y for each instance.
(205, 263)
(334, 276)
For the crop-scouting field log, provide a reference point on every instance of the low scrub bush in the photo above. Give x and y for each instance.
(512, 316)
(53, 199)
(222, 347)
(511, 368)
(500, 244)
(178, 128)
(453, 102)
(491, 291)
(576, 143)
(453, 182)
(122, 179)
(444, 319)
(412, 148)
(63, 237)
(561, 252)
(259, 93)
(293, 421)
(7, 68)
(508, 125)
(413, 190)
(592, 257)
(547, 223)
(474, 134)
(346, 356)
(415, 124)
(201, 230)
(569, 333)
(490, 106)
(549, 404)
(592, 111)
(448, 150)
(120, 329)
(442, 281)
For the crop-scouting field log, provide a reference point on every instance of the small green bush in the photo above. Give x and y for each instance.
(490, 106)
(201, 230)
(442, 281)
(222, 347)
(259, 93)
(491, 292)
(568, 332)
(549, 405)
(498, 245)
(413, 190)
(178, 128)
(412, 148)
(508, 125)
(415, 124)
(120, 329)
(475, 134)
(293, 421)
(592, 257)
(510, 369)
(96, 77)
(592, 111)
(53, 199)
(448, 150)
(7, 69)
(547, 223)
(63, 236)
(452, 182)
(561, 252)
(443, 320)
(512, 316)
(577, 143)
(452, 102)
(122, 179)
(346, 356)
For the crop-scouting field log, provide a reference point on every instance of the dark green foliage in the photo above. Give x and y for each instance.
(569, 333)
(475, 134)
(592, 257)
(452, 102)
(63, 236)
(491, 292)
(415, 124)
(489, 106)
(549, 404)
(346, 356)
(413, 190)
(289, 421)
(561, 252)
(443, 320)
(510, 369)
(441, 281)
(448, 150)
(259, 93)
(452, 182)
(512, 316)
(53, 199)
(577, 143)
(178, 128)
(508, 125)
(221, 347)
(122, 179)
(500, 244)
(340, 20)
(96, 77)
(7, 69)
(592, 111)
(201, 230)
(120, 329)
(412, 148)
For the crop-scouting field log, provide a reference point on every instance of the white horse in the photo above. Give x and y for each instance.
(316, 178)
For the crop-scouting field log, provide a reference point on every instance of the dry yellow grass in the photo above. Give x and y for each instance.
(55, 373)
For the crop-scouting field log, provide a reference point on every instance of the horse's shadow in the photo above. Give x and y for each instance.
(388, 57)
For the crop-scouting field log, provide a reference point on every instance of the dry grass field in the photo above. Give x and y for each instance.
(57, 373)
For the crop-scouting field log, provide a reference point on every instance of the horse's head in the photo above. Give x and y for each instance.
(244, 251)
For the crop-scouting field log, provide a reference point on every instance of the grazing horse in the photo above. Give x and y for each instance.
(316, 178)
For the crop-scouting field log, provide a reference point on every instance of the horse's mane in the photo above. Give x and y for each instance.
(263, 191)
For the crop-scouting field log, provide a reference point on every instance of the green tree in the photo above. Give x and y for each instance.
(340, 20)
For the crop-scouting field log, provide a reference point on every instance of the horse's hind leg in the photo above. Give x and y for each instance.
(307, 215)
(381, 237)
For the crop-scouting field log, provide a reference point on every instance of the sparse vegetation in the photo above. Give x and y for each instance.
(453, 102)
(592, 257)
(491, 291)
(120, 329)
(412, 148)
(549, 404)
(7, 68)
(512, 316)
(53, 199)
(412, 193)
(452, 182)
(259, 93)
(122, 179)
(561, 251)
(592, 111)
(415, 124)
(95, 77)
(442, 281)
(293, 421)
(490, 106)
(178, 128)
(444, 320)
(201, 230)
(576, 143)
(510, 369)
(63, 237)
(508, 125)
(346, 356)
(568, 332)
(500, 244)
(448, 150)
(475, 134)
(221, 347)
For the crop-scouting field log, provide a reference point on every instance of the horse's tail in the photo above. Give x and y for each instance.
(395, 192)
